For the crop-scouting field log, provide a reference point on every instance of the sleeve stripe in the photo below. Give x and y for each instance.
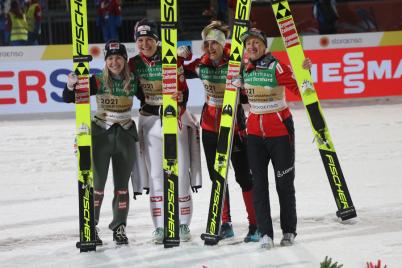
(279, 68)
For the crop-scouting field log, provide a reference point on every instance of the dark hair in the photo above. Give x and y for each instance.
(15, 8)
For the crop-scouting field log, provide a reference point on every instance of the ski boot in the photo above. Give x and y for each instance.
(98, 241)
(226, 230)
(266, 242)
(185, 235)
(158, 236)
(288, 239)
(119, 235)
(253, 234)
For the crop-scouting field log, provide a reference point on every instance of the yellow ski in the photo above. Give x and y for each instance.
(169, 123)
(83, 125)
(229, 109)
(310, 99)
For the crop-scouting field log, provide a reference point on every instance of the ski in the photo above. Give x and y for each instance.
(81, 60)
(169, 123)
(294, 49)
(228, 117)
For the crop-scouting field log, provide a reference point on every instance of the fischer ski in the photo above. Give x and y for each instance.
(228, 117)
(294, 49)
(83, 125)
(169, 123)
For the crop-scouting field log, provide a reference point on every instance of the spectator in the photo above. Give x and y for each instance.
(16, 27)
(326, 15)
(34, 19)
(222, 11)
(211, 10)
(231, 12)
(109, 18)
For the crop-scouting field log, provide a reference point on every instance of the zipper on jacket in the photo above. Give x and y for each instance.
(279, 116)
(261, 125)
(216, 121)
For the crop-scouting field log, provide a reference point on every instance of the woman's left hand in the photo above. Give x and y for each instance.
(178, 96)
(307, 64)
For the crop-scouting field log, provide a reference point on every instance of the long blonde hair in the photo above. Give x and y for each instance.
(125, 76)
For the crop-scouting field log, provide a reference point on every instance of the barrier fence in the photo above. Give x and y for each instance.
(345, 66)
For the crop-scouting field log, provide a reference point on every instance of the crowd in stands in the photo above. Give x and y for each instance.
(109, 18)
(21, 24)
(21, 20)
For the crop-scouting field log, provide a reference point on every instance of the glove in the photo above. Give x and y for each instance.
(307, 64)
(178, 96)
(135, 195)
(236, 82)
(184, 52)
(195, 188)
(72, 79)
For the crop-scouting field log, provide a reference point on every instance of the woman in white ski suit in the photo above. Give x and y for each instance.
(147, 65)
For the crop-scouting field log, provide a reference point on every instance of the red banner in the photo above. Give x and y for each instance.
(354, 72)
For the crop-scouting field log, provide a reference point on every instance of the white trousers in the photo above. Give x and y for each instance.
(150, 135)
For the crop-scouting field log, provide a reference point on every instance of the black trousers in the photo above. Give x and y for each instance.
(281, 151)
(238, 158)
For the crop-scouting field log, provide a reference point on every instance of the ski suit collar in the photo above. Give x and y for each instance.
(261, 63)
(155, 59)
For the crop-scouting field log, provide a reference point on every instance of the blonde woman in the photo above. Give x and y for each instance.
(114, 133)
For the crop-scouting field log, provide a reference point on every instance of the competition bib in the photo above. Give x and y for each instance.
(152, 91)
(214, 93)
(265, 99)
(114, 109)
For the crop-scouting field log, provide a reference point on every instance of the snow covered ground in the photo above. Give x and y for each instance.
(38, 201)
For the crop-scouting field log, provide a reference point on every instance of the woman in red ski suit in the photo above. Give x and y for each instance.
(212, 69)
(270, 134)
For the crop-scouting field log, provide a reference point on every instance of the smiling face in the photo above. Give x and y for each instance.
(147, 46)
(255, 47)
(115, 64)
(213, 49)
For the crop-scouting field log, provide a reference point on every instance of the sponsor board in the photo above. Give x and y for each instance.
(25, 88)
(354, 72)
(35, 85)
(53, 52)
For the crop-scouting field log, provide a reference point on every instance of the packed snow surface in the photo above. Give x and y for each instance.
(39, 203)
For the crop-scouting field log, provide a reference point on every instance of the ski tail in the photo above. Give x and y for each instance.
(315, 114)
(83, 125)
(169, 123)
(227, 123)
(337, 182)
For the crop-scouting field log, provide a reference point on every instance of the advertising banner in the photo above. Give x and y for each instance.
(354, 72)
(345, 66)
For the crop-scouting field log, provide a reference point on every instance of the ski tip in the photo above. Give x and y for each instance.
(210, 239)
(346, 214)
